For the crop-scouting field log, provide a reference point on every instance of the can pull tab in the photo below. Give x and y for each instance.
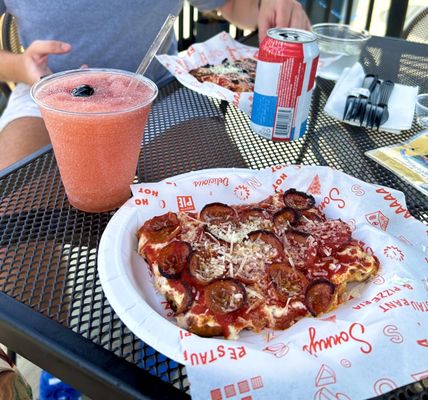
(289, 36)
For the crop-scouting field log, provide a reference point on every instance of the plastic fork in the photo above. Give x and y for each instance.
(367, 115)
(358, 98)
(382, 113)
(377, 108)
(364, 102)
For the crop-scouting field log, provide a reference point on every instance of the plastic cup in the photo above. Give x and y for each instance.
(340, 47)
(422, 110)
(96, 139)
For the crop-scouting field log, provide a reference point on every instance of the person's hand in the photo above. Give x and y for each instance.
(35, 59)
(281, 14)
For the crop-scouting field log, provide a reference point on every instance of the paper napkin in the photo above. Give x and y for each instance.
(401, 105)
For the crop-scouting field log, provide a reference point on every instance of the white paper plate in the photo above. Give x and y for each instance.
(125, 276)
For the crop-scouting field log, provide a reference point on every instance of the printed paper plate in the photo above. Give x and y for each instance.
(379, 218)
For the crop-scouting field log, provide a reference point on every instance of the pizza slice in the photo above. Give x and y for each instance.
(230, 268)
(237, 76)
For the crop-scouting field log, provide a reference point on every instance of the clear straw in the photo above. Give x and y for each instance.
(160, 37)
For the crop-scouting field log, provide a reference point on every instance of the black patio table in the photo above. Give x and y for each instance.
(52, 307)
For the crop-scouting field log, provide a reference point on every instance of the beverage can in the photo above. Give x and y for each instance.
(285, 78)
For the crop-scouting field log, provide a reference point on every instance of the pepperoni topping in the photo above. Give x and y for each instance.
(319, 296)
(250, 273)
(295, 236)
(298, 200)
(333, 234)
(253, 270)
(224, 296)
(204, 330)
(285, 217)
(287, 281)
(252, 214)
(312, 214)
(268, 237)
(258, 217)
(180, 304)
(204, 268)
(254, 298)
(159, 229)
(173, 259)
(217, 213)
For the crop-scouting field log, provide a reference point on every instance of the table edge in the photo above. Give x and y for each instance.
(85, 365)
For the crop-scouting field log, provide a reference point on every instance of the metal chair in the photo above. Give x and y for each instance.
(207, 24)
(9, 40)
(417, 29)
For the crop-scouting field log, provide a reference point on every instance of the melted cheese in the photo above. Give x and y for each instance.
(233, 332)
(274, 312)
(168, 291)
(225, 69)
(234, 301)
(359, 268)
(232, 234)
(211, 269)
(247, 258)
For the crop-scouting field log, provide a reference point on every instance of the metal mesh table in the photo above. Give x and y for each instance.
(52, 307)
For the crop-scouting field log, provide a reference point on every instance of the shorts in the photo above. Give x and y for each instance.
(12, 384)
(20, 105)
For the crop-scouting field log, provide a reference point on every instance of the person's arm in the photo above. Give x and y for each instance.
(265, 14)
(29, 66)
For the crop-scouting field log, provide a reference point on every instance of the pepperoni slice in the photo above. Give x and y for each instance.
(224, 296)
(295, 236)
(287, 281)
(298, 200)
(180, 304)
(333, 234)
(252, 214)
(268, 237)
(204, 330)
(257, 216)
(319, 296)
(173, 258)
(160, 228)
(203, 267)
(285, 217)
(217, 213)
(308, 219)
(312, 214)
(251, 273)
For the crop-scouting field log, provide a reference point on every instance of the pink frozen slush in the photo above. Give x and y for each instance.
(96, 119)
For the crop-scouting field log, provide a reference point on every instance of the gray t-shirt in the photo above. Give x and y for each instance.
(109, 34)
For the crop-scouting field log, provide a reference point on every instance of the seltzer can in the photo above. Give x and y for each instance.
(285, 78)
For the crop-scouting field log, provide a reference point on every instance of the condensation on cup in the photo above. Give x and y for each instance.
(285, 78)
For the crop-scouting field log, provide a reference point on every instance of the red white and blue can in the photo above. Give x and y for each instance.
(285, 78)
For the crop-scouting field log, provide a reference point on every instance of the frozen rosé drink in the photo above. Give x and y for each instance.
(95, 119)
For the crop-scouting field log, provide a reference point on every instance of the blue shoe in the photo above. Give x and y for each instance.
(52, 388)
(156, 363)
